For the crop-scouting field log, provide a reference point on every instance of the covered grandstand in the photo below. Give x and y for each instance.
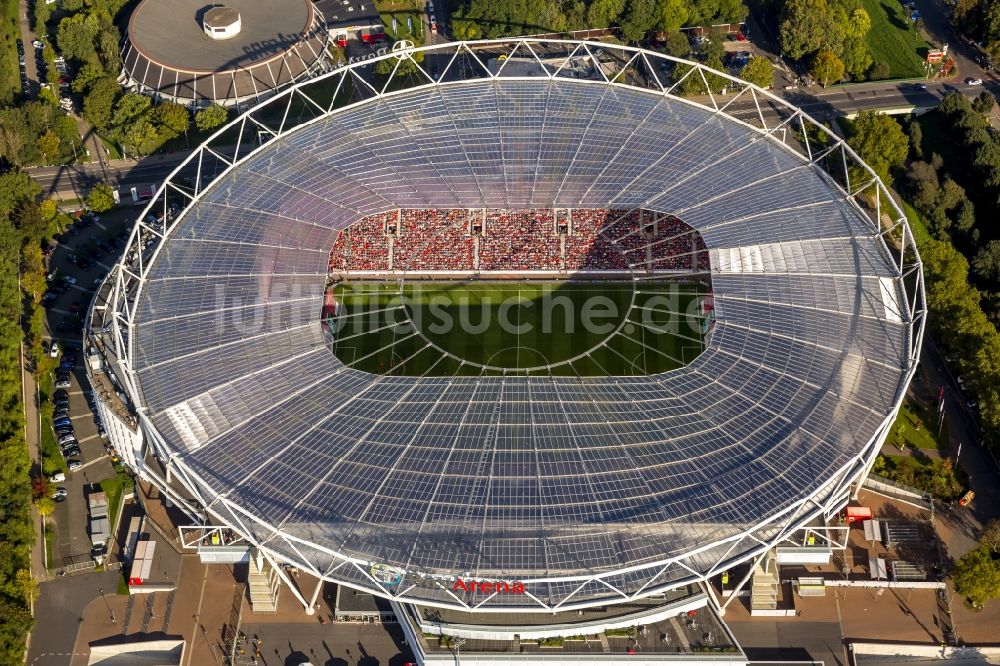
(513, 491)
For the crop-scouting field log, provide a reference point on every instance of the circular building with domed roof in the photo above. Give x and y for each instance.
(240, 52)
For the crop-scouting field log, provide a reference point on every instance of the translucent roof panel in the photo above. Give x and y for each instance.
(519, 477)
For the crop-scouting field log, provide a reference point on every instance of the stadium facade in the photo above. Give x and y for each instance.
(510, 492)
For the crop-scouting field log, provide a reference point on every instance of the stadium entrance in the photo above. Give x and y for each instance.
(470, 292)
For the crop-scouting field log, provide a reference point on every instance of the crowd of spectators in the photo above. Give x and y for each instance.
(363, 246)
(518, 240)
(433, 240)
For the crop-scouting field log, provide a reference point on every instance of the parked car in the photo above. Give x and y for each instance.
(67, 439)
(58, 477)
(64, 383)
(60, 492)
(71, 451)
(967, 498)
(38, 44)
(73, 464)
(54, 350)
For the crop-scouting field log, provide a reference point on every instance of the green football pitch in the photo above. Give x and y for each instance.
(560, 328)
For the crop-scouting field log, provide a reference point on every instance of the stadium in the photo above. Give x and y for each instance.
(554, 474)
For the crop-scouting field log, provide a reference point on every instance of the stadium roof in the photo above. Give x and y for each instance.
(589, 490)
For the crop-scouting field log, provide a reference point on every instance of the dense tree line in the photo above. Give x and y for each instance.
(977, 573)
(830, 36)
(17, 588)
(477, 19)
(37, 133)
(957, 318)
(936, 476)
(954, 181)
(979, 20)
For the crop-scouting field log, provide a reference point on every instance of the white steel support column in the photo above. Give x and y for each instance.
(713, 600)
(315, 595)
(278, 569)
(739, 586)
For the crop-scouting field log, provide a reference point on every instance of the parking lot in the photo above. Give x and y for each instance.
(78, 259)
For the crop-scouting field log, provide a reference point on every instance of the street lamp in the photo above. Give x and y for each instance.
(110, 611)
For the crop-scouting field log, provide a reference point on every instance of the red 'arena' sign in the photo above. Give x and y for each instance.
(487, 587)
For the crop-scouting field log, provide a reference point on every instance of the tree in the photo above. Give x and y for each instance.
(27, 585)
(603, 13)
(211, 117)
(879, 71)
(858, 25)
(677, 44)
(16, 188)
(977, 576)
(30, 221)
(131, 107)
(76, 35)
(48, 143)
(99, 103)
(916, 133)
(87, 76)
(101, 198)
(984, 103)
(45, 506)
(827, 67)
(139, 136)
(639, 18)
(758, 71)
(804, 28)
(991, 536)
(879, 141)
(671, 15)
(986, 263)
(172, 118)
(856, 56)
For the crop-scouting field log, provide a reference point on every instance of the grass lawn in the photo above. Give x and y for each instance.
(409, 25)
(52, 458)
(112, 487)
(471, 328)
(50, 539)
(893, 39)
(905, 429)
(112, 149)
(387, 6)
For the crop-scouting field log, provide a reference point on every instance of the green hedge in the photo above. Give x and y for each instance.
(16, 529)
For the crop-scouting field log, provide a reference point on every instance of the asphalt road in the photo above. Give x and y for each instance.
(59, 610)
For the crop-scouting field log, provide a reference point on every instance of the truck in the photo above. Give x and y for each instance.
(373, 35)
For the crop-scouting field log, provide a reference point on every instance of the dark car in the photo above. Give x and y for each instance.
(60, 394)
(71, 451)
